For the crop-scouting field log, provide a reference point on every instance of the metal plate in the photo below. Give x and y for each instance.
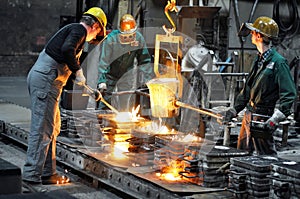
(255, 163)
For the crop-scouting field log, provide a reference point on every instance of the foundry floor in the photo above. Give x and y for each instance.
(14, 90)
(15, 107)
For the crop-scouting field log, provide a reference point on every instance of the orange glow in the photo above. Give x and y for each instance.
(156, 127)
(171, 172)
(63, 180)
(173, 176)
(162, 96)
(127, 116)
(119, 150)
(134, 113)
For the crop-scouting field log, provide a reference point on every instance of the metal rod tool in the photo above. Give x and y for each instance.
(200, 110)
(101, 98)
(98, 96)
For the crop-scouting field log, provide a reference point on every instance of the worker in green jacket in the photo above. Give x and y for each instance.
(118, 54)
(269, 90)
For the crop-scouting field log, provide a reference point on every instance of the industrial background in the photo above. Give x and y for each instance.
(26, 26)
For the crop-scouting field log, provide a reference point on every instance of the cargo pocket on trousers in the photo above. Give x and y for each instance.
(40, 106)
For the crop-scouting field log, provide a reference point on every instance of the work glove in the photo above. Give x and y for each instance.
(228, 114)
(79, 78)
(97, 95)
(274, 120)
(102, 88)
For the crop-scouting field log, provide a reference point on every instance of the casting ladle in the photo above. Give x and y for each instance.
(178, 104)
(94, 93)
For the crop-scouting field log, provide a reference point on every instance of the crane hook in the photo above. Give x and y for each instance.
(171, 6)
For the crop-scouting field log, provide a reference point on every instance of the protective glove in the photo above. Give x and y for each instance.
(102, 87)
(80, 79)
(273, 121)
(228, 114)
(97, 95)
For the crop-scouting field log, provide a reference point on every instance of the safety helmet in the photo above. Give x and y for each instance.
(127, 24)
(99, 15)
(264, 25)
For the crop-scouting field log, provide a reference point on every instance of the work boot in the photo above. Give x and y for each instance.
(55, 179)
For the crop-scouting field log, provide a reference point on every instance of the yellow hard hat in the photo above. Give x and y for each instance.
(127, 24)
(264, 25)
(98, 14)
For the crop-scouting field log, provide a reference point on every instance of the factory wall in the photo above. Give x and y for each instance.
(26, 25)
(248, 11)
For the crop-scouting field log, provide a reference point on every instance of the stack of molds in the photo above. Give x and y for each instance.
(285, 180)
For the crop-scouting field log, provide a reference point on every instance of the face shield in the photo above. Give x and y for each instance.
(263, 25)
(127, 38)
(127, 28)
(244, 30)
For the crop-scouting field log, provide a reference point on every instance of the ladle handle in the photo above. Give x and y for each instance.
(200, 110)
(101, 99)
(109, 106)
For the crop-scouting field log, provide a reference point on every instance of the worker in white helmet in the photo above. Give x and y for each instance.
(118, 54)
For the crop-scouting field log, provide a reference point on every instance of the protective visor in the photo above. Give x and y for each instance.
(245, 29)
(127, 38)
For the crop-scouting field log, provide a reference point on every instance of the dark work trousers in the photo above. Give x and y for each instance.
(262, 145)
(45, 82)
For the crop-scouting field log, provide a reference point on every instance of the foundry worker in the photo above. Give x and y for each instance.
(58, 60)
(268, 84)
(117, 56)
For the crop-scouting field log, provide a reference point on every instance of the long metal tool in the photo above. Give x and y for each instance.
(200, 110)
(101, 98)
(138, 92)
(109, 106)
(96, 93)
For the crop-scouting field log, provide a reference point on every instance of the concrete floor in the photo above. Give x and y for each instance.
(14, 91)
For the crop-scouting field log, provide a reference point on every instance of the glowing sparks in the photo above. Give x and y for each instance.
(157, 127)
(134, 113)
(173, 176)
(129, 116)
(63, 180)
(171, 172)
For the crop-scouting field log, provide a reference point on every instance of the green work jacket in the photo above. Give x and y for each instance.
(116, 59)
(268, 85)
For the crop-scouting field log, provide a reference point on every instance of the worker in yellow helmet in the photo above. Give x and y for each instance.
(57, 61)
